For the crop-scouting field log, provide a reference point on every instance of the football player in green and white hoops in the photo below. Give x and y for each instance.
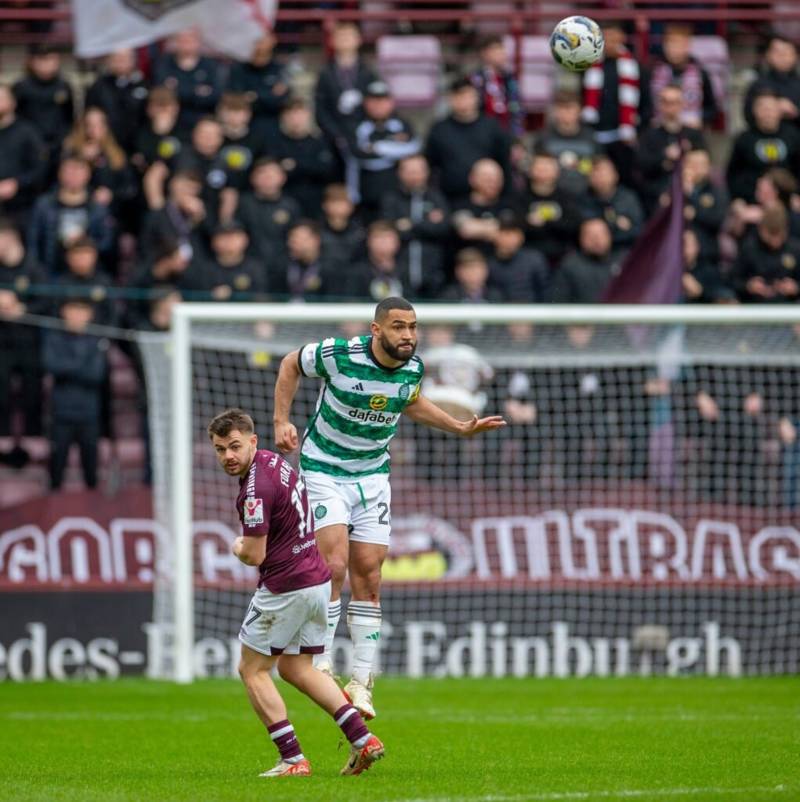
(368, 382)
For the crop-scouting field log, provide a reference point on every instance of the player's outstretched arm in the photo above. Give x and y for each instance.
(285, 390)
(424, 411)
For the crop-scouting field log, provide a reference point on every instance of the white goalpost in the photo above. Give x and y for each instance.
(638, 515)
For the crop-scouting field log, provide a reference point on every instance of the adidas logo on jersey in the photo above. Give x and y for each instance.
(359, 387)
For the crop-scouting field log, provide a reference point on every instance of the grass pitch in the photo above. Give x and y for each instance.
(479, 740)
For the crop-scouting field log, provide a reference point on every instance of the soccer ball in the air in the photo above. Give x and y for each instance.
(576, 43)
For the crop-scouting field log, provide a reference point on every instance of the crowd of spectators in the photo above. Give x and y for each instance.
(209, 180)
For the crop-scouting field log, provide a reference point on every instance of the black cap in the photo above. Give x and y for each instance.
(378, 89)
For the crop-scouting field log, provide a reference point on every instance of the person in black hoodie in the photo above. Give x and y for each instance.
(549, 211)
(45, 99)
(121, 92)
(232, 274)
(384, 273)
(178, 220)
(702, 281)
(195, 79)
(421, 216)
(472, 280)
(84, 278)
(263, 80)
(156, 140)
(343, 235)
(465, 136)
(205, 157)
(618, 206)
(267, 213)
(779, 74)
(520, 274)
(306, 157)
(662, 145)
(476, 217)
(308, 273)
(769, 142)
(705, 205)
(766, 267)
(243, 143)
(341, 86)
(584, 275)
(19, 343)
(77, 362)
(23, 161)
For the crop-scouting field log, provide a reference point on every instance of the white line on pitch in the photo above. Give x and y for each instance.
(629, 793)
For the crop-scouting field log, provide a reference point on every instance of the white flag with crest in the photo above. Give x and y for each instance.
(228, 26)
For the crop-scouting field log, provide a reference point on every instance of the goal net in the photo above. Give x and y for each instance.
(640, 514)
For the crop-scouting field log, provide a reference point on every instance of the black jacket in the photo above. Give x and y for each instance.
(622, 211)
(756, 260)
(754, 153)
(78, 365)
(123, 100)
(267, 85)
(22, 156)
(453, 147)
(47, 105)
(309, 164)
(655, 168)
(522, 278)
(581, 279)
(267, 222)
(198, 90)
(338, 97)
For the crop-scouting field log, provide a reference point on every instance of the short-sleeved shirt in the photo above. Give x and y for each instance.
(358, 408)
(272, 503)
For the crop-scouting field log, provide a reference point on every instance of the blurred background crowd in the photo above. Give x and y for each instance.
(171, 173)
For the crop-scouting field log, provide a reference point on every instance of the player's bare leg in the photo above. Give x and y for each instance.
(364, 620)
(365, 748)
(333, 546)
(254, 669)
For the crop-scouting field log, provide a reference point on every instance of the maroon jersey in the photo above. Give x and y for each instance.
(272, 502)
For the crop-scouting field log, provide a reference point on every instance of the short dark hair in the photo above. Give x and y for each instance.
(461, 82)
(388, 304)
(490, 40)
(266, 161)
(238, 101)
(311, 225)
(234, 419)
(83, 242)
(381, 227)
(468, 256)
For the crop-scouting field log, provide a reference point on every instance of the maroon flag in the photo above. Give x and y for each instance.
(651, 273)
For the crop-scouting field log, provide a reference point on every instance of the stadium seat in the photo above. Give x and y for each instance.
(493, 25)
(411, 65)
(712, 53)
(537, 70)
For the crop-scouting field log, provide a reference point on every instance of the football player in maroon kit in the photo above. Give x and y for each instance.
(287, 618)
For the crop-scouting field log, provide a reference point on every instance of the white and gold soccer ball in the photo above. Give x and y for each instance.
(576, 43)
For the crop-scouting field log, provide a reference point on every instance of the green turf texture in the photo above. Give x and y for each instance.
(496, 740)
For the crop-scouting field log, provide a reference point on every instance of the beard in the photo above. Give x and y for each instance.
(394, 351)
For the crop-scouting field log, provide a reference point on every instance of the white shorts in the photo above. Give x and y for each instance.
(365, 506)
(287, 623)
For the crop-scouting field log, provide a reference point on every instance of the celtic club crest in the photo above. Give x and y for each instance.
(155, 9)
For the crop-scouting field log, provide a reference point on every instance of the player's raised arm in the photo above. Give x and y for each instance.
(285, 390)
(424, 411)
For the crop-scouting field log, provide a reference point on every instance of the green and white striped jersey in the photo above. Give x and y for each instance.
(358, 408)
